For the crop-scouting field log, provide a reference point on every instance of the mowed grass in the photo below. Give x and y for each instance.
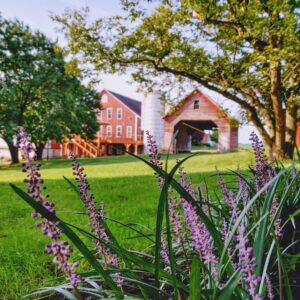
(126, 185)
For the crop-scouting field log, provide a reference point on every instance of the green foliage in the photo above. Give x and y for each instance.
(247, 51)
(214, 136)
(130, 193)
(37, 90)
(227, 283)
(195, 280)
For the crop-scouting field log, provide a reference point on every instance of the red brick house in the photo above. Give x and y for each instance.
(120, 128)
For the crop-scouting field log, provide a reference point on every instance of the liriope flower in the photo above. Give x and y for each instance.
(247, 263)
(224, 230)
(179, 233)
(59, 248)
(201, 238)
(176, 222)
(229, 199)
(231, 202)
(244, 189)
(96, 215)
(164, 252)
(154, 156)
(264, 172)
(277, 222)
(269, 287)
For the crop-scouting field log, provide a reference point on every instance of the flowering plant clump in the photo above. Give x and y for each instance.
(59, 248)
(96, 215)
(206, 246)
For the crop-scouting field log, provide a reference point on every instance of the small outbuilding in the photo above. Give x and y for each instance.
(197, 113)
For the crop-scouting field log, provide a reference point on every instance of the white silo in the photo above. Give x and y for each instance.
(152, 121)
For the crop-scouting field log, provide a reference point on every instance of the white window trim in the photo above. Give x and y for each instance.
(109, 109)
(135, 127)
(127, 135)
(119, 109)
(99, 114)
(119, 127)
(107, 131)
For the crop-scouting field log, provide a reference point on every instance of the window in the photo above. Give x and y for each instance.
(129, 131)
(119, 130)
(99, 114)
(109, 113)
(196, 104)
(119, 113)
(108, 131)
(104, 98)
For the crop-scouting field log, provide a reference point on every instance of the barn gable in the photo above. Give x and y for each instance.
(206, 107)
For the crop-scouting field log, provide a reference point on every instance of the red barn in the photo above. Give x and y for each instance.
(196, 113)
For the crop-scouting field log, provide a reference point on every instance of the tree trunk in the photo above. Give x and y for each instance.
(279, 147)
(39, 151)
(290, 134)
(13, 152)
(275, 93)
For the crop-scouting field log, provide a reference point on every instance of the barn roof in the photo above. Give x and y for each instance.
(134, 105)
(222, 113)
(177, 107)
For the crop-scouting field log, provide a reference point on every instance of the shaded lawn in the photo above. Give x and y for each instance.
(130, 193)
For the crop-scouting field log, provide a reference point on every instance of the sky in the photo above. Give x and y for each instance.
(35, 13)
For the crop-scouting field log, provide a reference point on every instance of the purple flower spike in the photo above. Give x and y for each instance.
(201, 238)
(202, 241)
(269, 287)
(154, 156)
(247, 263)
(164, 253)
(60, 249)
(243, 189)
(176, 222)
(264, 172)
(95, 215)
(277, 223)
(173, 204)
(224, 230)
(229, 199)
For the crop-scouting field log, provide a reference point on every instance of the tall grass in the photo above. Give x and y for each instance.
(243, 245)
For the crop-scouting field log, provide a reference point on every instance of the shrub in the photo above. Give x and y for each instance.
(214, 136)
(242, 245)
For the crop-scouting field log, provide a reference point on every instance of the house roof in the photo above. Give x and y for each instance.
(134, 105)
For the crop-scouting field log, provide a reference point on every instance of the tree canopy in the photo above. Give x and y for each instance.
(246, 50)
(37, 91)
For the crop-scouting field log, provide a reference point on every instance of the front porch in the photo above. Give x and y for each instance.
(103, 145)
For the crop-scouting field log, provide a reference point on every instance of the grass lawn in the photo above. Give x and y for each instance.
(126, 185)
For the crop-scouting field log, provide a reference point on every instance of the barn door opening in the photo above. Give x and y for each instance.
(190, 134)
